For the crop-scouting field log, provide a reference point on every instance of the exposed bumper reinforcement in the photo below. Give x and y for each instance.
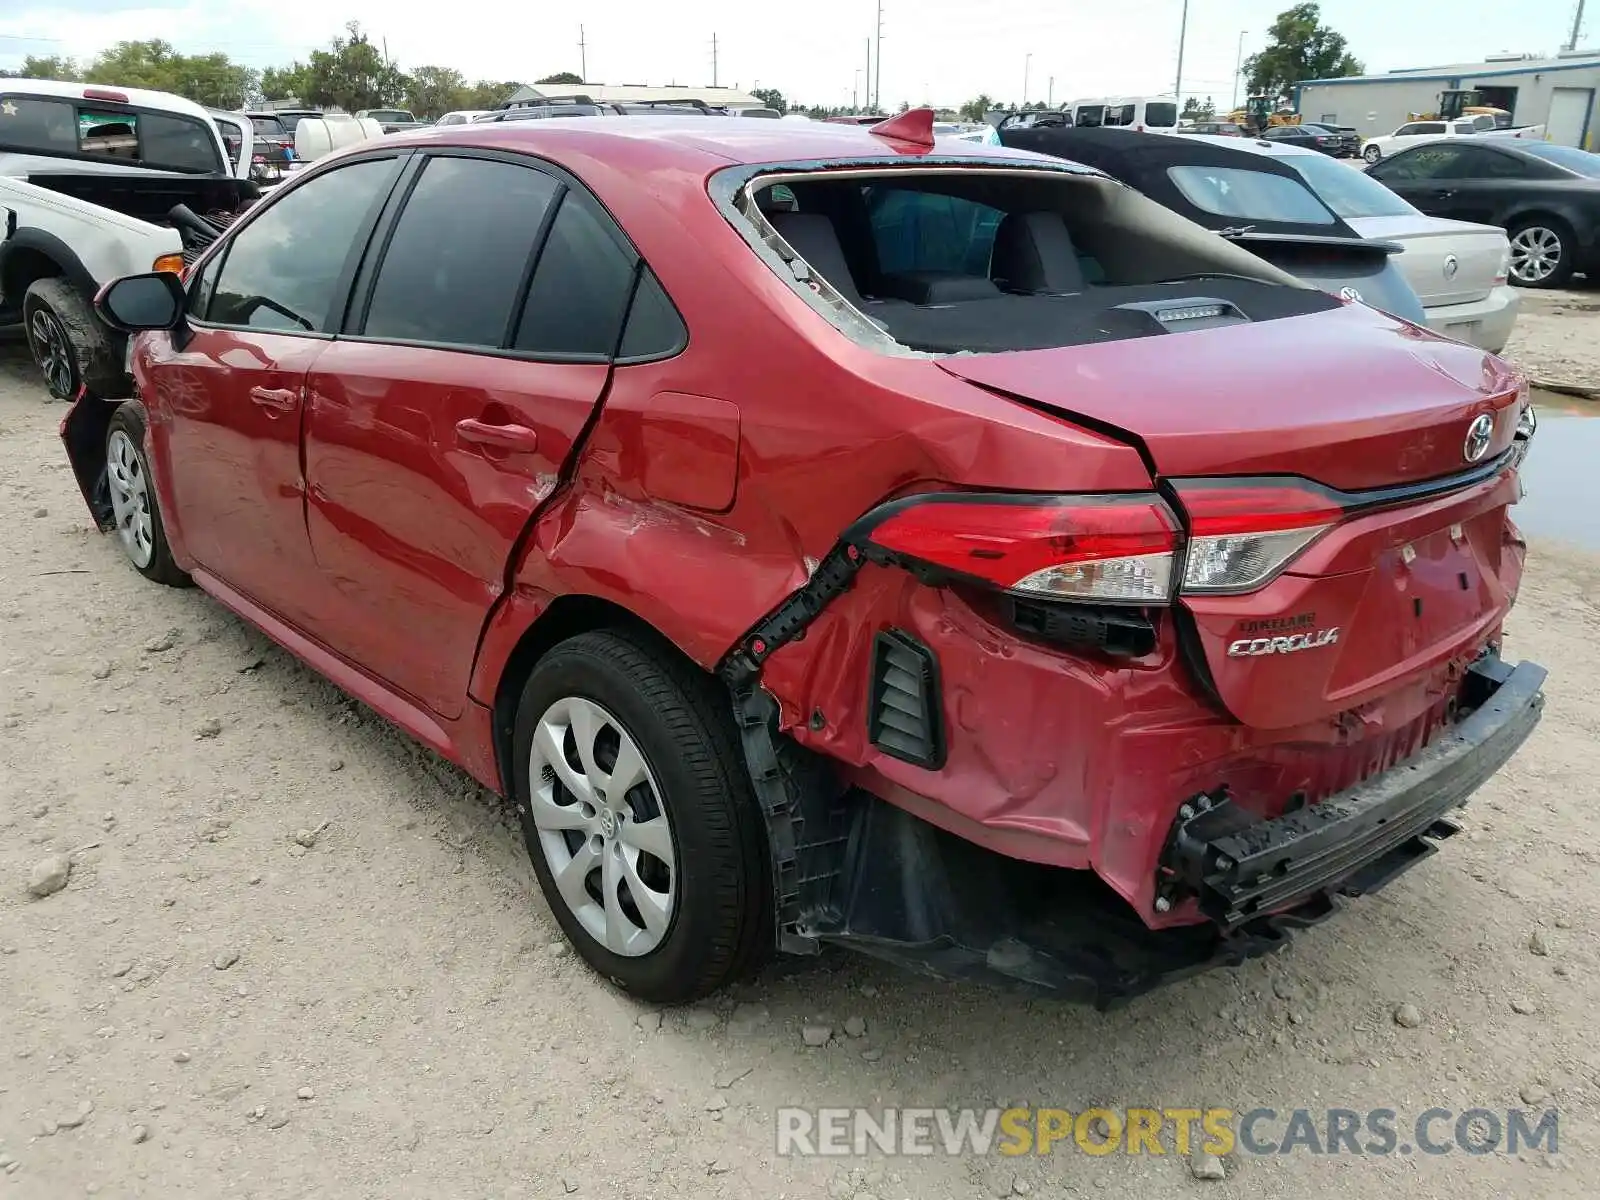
(1359, 839)
(934, 903)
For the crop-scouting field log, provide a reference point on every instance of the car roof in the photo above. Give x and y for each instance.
(670, 142)
(138, 97)
(1252, 145)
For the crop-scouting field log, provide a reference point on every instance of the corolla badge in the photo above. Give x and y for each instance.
(1479, 434)
(1452, 264)
(1313, 639)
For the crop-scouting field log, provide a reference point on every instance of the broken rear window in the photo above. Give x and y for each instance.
(986, 258)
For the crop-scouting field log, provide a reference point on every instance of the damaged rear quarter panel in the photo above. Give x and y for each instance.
(817, 431)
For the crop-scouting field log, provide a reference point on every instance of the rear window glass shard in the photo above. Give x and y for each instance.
(940, 259)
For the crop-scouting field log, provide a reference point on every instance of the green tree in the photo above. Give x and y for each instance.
(488, 94)
(772, 98)
(352, 74)
(1194, 109)
(212, 79)
(286, 83)
(434, 91)
(977, 109)
(53, 67)
(566, 77)
(1300, 48)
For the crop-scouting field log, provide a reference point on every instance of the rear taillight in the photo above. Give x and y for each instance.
(1117, 549)
(1122, 548)
(1504, 269)
(1241, 535)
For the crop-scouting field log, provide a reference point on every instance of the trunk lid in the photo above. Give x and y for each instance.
(1420, 569)
(1445, 262)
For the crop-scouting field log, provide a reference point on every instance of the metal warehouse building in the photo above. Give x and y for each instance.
(1558, 93)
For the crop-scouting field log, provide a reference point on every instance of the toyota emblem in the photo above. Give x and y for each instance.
(1479, 434)
(1452, 264)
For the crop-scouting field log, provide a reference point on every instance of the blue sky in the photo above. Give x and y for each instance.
(945, 51)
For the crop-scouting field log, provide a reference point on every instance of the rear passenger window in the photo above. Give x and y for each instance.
(925, 231)
(455, 264)
(655, 330)
(580, 286)
(1090, 116)
(1119, 114)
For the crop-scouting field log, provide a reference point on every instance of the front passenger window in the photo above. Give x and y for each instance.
(282, 269)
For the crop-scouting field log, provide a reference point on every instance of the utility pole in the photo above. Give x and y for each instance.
(1238, 66)
(583, 56)
(867, 94)
(1577, 28)
(1183, 34)
(877, 96)
(855, 93)
(713, 60)
(1027, 61)
(1050, 96)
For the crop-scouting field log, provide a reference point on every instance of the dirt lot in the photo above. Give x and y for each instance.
(209, 1009)
(1555, 338)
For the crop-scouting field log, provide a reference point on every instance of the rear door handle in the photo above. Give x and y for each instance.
(473, 432)
(278, 399)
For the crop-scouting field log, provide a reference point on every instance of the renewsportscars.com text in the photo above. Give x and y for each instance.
(1154, 1131)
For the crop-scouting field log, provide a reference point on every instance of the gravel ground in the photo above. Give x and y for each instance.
(1557, 336)
(209, 1008)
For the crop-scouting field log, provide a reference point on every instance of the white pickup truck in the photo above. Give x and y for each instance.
(1413, 133)
(89, 178)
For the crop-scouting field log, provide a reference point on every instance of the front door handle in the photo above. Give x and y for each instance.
(278, 399)
(473, 432)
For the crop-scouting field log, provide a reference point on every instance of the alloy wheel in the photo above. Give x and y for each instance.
(603, 829)
(1535, 254)
(53, 352)
(1372, 154)
(130, 498)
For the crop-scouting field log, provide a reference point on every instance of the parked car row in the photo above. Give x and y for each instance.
(833, 536)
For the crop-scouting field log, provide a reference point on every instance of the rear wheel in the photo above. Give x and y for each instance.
(70, 345)
(1541, 253)
(1371, 153)
(639, 817)
(133, 499)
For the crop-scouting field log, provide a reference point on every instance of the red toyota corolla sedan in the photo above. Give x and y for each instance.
(828, 536)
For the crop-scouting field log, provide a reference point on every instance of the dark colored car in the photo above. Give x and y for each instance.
(1256, 200)
(1546, 197)
(273, 156)
(1216, 129)
(829, 537)
(1349, 137)
(1310, 137)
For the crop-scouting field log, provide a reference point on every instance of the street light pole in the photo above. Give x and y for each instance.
(1027, 61)
(1183, 34)
(1238, 69)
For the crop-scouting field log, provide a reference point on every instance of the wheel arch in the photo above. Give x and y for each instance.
(565, 616)
(32, 254)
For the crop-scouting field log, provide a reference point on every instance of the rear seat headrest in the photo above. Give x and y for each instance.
(1033, 252)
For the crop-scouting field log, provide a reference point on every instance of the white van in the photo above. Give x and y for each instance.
(1142, 114)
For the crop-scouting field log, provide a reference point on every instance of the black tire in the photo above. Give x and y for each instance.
(54, 312)
(1542, 229)
(721, 927)
(128, 422)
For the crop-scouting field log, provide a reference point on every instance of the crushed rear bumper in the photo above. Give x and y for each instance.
(1241, 867)
(902, 890)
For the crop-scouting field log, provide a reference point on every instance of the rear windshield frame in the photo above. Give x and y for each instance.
(733, 190)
